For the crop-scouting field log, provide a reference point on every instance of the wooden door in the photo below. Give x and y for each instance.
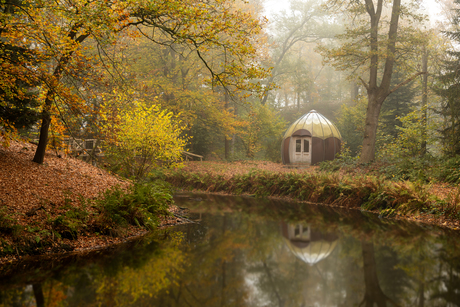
(301, 150)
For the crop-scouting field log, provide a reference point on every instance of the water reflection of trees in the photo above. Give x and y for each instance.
(373, 292)
(400, 259)
(128, 276)
(449, 277)
(241, 256)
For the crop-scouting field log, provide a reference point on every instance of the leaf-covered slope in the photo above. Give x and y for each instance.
(25, 184)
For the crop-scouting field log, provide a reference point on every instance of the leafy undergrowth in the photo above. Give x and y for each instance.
(115, 214)
(67, 205)
(366, 192)
(443, 190)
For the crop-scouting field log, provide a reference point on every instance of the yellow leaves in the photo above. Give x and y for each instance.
(61, 35)
(260, 122)
(130, 284)
(7, 134)
(225, 35)
(143, 130)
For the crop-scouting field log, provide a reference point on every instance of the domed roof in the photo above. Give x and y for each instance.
(316, 124)
(313, 252)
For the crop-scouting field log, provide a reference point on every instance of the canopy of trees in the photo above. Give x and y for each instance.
(60, 37)
(234, 76)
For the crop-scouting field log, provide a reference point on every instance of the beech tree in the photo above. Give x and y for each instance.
(366, 51)
(59, 32)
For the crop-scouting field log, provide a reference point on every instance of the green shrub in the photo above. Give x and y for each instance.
(67, 227)
(72, 222)
(140, 205)
(410, 168)
(366, 192)
(342, 161)
(449, 171)
(8, 224)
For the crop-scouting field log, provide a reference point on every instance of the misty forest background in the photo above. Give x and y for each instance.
(227, 88)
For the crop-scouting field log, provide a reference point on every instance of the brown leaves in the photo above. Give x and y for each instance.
(238, 168)
(25, 184)
(34, 196)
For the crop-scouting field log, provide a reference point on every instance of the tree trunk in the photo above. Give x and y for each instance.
(227, 148)
(377, 93)
(370, 129)
(227, 141)
(38, 293)
(39, 156)
(421, 296)
(233, 141)
(57, 74)
(373, 294)
(424, 99)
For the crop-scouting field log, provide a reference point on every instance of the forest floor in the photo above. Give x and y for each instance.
(443, 191)
(32, 195)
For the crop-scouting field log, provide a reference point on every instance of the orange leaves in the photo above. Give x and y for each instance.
(68, 38)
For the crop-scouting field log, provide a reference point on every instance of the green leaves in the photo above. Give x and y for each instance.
(141, 205)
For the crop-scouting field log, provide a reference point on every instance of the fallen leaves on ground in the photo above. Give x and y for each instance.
(35, 193)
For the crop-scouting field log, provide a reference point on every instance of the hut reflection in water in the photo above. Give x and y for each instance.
(309, 245)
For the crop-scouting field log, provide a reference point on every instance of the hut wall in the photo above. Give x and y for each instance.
(332, 147)
(317, 235)
(317, 150)
(285, 151)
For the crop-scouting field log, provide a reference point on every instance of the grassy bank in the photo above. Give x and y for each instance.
(371, 193)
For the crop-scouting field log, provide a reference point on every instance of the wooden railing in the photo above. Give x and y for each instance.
(92, 148)
(84, 147)
(189, 155)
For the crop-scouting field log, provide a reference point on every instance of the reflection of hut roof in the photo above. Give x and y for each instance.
(313, 124)
(310, 246)
(313, 252)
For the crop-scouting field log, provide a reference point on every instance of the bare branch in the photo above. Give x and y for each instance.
(406, 81)
(364, 83)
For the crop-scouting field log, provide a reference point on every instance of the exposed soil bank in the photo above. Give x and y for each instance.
(433, 204)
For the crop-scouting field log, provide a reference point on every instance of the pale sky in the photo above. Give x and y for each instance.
(274, 6)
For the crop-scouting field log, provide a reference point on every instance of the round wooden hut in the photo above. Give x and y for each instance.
(310, 140)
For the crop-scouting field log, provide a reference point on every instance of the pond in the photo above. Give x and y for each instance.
(242, 251)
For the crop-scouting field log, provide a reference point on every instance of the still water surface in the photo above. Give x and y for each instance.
(252, 252)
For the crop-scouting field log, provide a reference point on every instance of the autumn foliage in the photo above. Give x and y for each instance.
(69, 44)
(140, 135)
